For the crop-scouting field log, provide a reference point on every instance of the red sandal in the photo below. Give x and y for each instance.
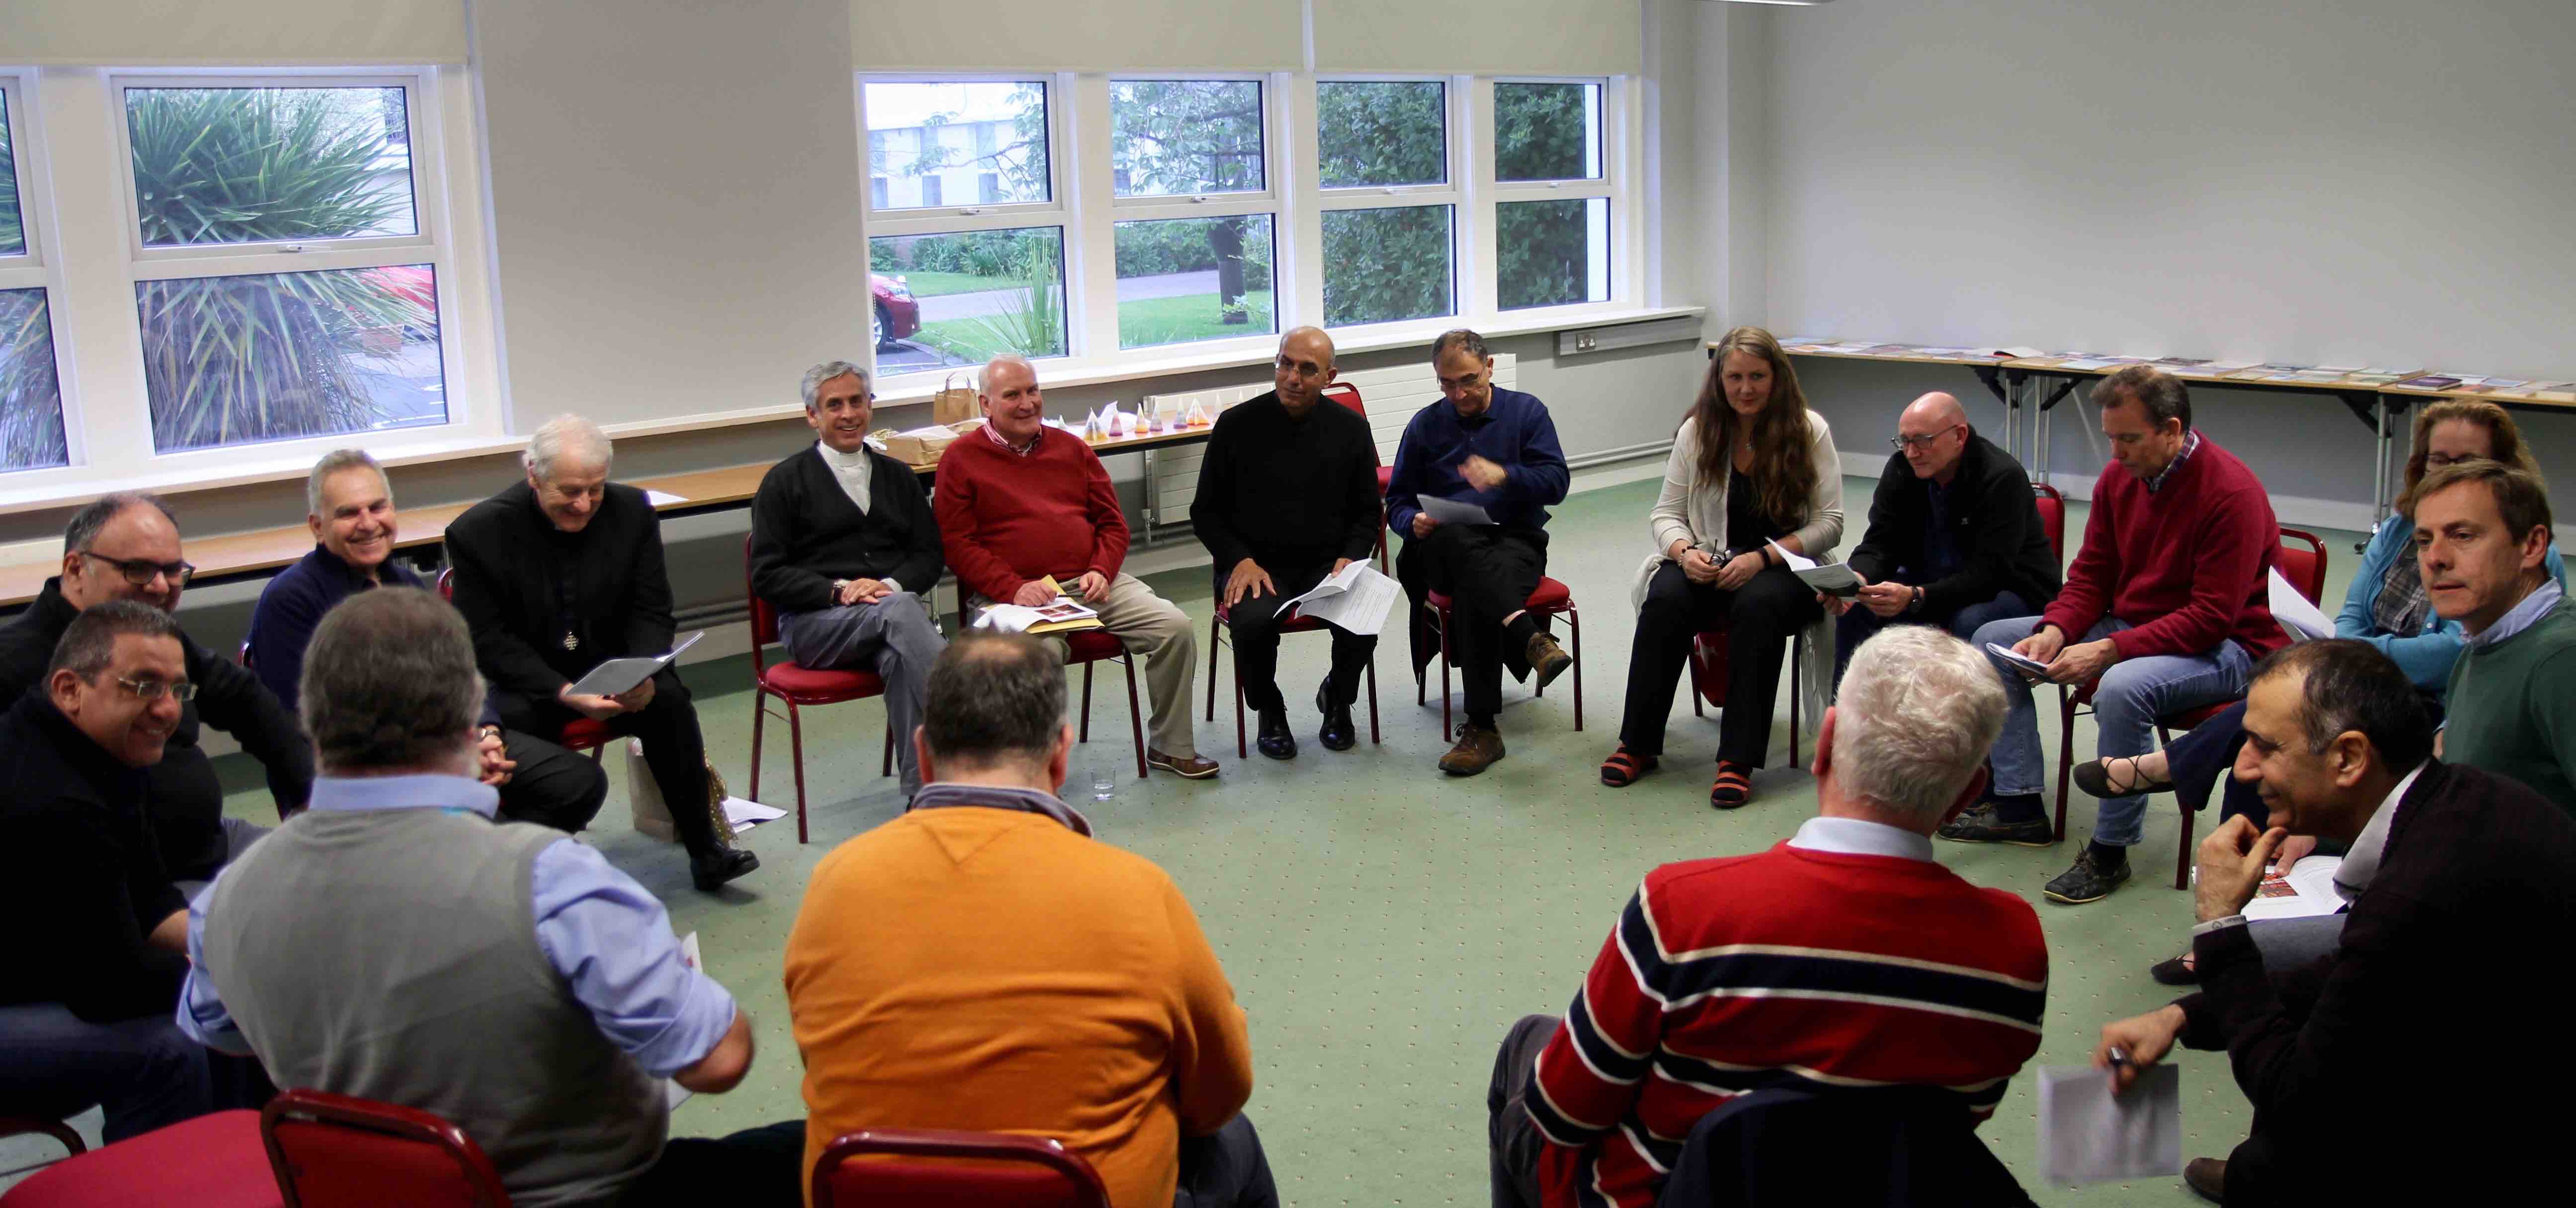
(1625, 767)
(1734, 786)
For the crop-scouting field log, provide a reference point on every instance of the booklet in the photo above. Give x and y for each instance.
(1452, 511)
(1358, 599)
(2306, 891)
(1838, 579)
(2088, 1134)
(1059, 615)
(618, 676)
(2303, 621)
(2028, 666)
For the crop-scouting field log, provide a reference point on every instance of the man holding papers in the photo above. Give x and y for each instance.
(1287, 498)
(1495, 449)
(1018, 504)
(1954, 535)
(561, 573)
(2359, 1094)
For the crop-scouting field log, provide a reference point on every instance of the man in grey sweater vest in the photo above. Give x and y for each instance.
(394, 943)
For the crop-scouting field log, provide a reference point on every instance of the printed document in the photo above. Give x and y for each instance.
(1358, 599)
(618, 676)
(2303, 621)
(1838, 579)
(1451, 511)
(2089, 1135)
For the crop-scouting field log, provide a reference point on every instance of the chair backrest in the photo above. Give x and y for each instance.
(447, 583)
(1347, 395)
(2303, 563)
(919, 1168)
(764, 619)
(334, 1151)
(243, 658)
(12, 1126)
(2052, 517)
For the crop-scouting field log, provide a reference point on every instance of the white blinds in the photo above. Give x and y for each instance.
(1482, 37)
(1077, 35)
(231, 33)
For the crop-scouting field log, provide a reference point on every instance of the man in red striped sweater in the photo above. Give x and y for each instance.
(1018, 503)
(2168, 605)
(1844, 957)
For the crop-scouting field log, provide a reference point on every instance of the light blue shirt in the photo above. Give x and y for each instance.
(607, 936)
(1859, 837)
(2522, 616)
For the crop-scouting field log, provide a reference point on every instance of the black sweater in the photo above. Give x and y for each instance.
(85, 884)
(1993, 521)
(509, 582)
(805, 532)
(1287, 492)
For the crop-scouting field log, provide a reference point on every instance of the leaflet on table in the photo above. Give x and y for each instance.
(618, 676)
(1838, 579)
(1358, 599)
(2306, 891)
(2018, 661)
(2302, 620)
(1452, 511)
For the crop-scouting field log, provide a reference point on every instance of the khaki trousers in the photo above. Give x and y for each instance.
(1155, 628)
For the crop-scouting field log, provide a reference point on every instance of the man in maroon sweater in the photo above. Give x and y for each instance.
(1018, 503)
(2166, 605)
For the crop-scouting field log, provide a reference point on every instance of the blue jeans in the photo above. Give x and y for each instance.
(144, 1071)
(1860, 625)
(2133, 693)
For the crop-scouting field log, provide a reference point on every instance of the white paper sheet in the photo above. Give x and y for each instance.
(2307, 891)
(1451, 511)
(663, 499)
(622, 675)
(745, 813)
(2026, 665)
(2089, 1135)
(1838, 579)
(1358, 599)
(2303, 621)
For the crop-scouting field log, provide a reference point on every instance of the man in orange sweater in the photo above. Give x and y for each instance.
(982, 963)
(1018, 503)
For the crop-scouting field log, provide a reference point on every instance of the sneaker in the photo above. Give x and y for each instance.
(1187, 767)
(2087, 881)
(1478, 748)
(1985, 824)
(1547, 659)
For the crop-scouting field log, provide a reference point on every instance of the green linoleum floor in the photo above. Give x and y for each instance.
(1383, 924)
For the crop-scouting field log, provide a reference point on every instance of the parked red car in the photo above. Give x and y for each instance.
(895, 315)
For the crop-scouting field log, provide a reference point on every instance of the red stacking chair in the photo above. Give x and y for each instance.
(1089, 646)
(796, 686)
(334, 1151)
(2305, 568)
(1348, 395)
(18, 1126)
(1221, 625)
(925, 1168)
(1551, 599)
(213, 1161)
(2052, 517)
(1708, 667)
(579, 734)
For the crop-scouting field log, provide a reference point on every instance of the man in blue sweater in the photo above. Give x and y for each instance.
(1495, 449)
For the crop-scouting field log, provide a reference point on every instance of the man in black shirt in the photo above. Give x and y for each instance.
(1287, 496)
(562, 572)
(844, 546)
(126, 547)
(86, 1002)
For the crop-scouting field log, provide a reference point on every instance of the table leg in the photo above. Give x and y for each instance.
(1153, 498)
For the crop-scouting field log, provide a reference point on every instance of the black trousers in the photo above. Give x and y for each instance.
(1488, 572)
(1512, 1139)
(760, 1167)
(673, 748)
(551, 786)
(1760, 619)
(1254, 625)
(1225, 1169)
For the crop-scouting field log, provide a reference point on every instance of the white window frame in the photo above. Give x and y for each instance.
(1099, 313)
(1456, 193)
(37, 266)
(1624, 251)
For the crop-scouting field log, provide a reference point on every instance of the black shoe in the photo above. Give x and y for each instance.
(1276, 740)
(2095, 779)
(711, 869)
(2207, 1178)
(2175, 972)
(1336, 734)
(1985, 824)
(2089, 881)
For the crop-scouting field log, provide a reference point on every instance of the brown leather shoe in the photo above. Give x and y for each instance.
(1188, 768)
(1547, 659)
(2207, 1177)
(1478, 747)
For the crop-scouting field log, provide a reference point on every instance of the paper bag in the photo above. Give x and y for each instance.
(919, 446)
(955, 402)
(652, 814)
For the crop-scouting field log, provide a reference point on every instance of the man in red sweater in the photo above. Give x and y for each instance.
(1844, 957)
(1018, 503)
(2167, 606)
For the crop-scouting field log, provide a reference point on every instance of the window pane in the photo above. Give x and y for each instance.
(931, 141)
(31, 399)
(1388, 264)
(1552, 252)
(942, 301)
(1547, 131)
(255, 165)
(13, 233)
(1183, 137)
(1383, 133)
(1186, 279)
(279, 356)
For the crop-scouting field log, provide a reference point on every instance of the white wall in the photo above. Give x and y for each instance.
(2319, 181)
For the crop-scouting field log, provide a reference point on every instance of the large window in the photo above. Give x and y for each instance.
(1552, 195)
(966, 248)
(31, 400)
(1195, 241)
(1390, 211)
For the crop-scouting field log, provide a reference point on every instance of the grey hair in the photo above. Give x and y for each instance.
(389, 682)
(88, 647)
(1462, 340)
(1918, 712)
(816, 376)
(993, 698)
(563, 436)
(332, 463)
(86, 523)
(1008, 358)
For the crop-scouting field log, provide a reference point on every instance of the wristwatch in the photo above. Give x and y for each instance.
(1914, 605)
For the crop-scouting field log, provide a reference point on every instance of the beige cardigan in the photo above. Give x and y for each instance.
(1691, 509)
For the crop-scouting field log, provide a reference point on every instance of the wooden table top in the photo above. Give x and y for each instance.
(1893, 353)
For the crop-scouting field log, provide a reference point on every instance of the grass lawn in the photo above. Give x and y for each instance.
(971, 342)
(936, 284)
(1189, 318)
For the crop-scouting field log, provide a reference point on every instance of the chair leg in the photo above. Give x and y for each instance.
(1444, 676)
(1574, 623)
(888, 769)
(1086, 701)
(1216, 642)
(759, 711)
(1794, 694)
(1136, 716)
(2065, 766)
(1239, 751)
(2182, 853)
(796, 744)
(1374, 740)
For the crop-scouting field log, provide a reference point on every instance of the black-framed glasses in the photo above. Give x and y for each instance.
(153, 689)
(139, 571)
(1902, 443)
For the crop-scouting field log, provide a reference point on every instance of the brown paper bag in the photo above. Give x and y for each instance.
(653, 815)
(954, 403)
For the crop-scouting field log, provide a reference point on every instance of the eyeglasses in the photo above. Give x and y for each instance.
(140, 571)
(1902, 443)
(152, 689)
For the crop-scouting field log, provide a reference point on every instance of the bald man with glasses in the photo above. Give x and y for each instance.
(126, 547)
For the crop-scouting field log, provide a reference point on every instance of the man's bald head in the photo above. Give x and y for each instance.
(1012, 402)
(1933, 434)
(1303, 368)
